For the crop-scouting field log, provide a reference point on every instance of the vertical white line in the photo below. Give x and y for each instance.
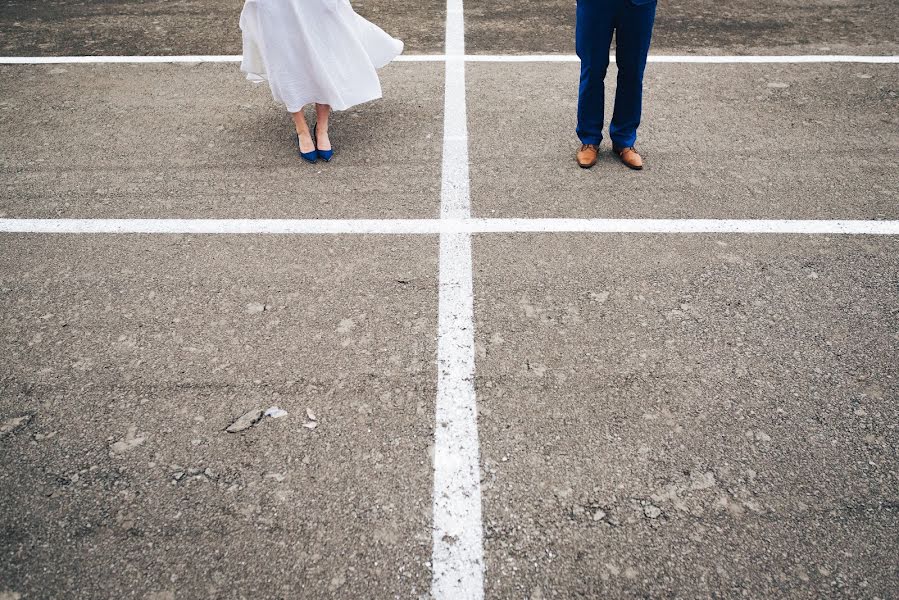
(458, 555)
(454, 194)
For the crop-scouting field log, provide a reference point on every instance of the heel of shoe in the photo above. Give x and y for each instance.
(325, 155)
(309, 157)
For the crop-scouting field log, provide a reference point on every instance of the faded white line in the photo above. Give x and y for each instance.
(449, 226)
(457, 558)
(490, 58)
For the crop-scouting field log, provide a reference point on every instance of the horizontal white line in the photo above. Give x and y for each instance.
(228, 226)
(524, 58)
(689, 58)
(421, 58)
(57, 60)
(681, 226)
(436, 226)
(808, 58)
(658, 58)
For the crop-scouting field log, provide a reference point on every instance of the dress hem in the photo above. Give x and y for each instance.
(256, 78)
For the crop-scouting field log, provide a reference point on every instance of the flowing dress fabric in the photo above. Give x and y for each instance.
(314, 51)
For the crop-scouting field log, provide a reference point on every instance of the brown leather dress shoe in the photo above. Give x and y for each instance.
(630, 157)
(586, 156)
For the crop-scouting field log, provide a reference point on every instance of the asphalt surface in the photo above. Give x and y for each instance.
(198, 140)
(177, 337)
(688, 416)
(104, 27)
(720, 141)
(659, 415)
(126, 27)
(697, 26)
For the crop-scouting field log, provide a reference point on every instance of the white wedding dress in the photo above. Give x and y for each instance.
(314, 51)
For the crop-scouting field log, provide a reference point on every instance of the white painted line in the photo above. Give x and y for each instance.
(61, 60)
(457, 559)
(420, 58)
(447, 226)
(490, 58)
(682, 226)
(223, 226)
(454, 193)
(198, 58)
(809, 58)
(694, 59)
(457, 555)
(524, 58)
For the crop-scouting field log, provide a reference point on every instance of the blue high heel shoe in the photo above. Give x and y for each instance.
(309, 157)
(325, 155)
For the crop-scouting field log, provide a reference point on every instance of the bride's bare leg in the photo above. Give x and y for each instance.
(306, 142)
(322, 113)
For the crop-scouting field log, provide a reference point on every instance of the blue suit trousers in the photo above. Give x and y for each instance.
(631, 21)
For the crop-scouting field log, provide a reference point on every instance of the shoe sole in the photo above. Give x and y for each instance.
(632, 167)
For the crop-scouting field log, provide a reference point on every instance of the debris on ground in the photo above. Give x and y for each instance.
(246, 421)
(337, 582)
(10, 425)
(254, 308)
(275, 412)
(312, 423)
(131, 440)
(652, 511)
